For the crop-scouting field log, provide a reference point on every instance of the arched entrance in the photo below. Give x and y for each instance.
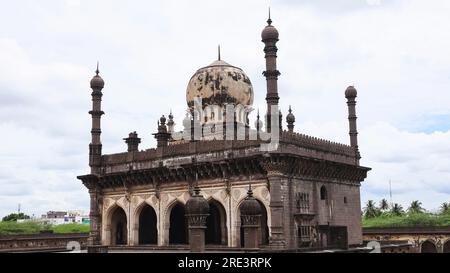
(216, 228)
(119, 228)
(148, 232)
(446, 248)
(263, 230)
(428, 247)
(178, 234)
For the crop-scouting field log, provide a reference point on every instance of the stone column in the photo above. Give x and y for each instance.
(95, 147)
(94, 240)
(351, 94)
(197, 210)
(277, 238)
(250, 220)
(270, 38)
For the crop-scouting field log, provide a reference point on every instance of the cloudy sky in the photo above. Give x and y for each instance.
(395, 52)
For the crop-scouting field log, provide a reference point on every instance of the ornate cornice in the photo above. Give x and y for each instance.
(281, 164)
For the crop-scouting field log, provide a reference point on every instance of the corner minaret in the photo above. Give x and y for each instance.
(95, 148)
(270, 38)
(351, 95)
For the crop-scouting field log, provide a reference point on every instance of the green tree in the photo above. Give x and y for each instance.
(397, 210)
(445, 208)
(371, 210)
(416, 207)
(384, 205)
(13, 217)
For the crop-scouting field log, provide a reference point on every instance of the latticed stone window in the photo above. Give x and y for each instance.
(304, 236)
(302, 202)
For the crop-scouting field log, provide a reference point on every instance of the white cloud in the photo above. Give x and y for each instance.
(395, 53)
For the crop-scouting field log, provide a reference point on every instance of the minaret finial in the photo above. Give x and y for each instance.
(269, 21)
(218, 53)
(97, 71)
(196, 188)
(250, 191)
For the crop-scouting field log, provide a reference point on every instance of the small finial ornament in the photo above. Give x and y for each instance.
(97, 71)
(196, 188)
(269, 21)
(250, 191)
(219, 57)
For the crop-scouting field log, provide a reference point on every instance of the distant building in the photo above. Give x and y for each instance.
(61, 218)
(55, 214)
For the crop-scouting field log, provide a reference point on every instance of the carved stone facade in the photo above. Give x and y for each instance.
(308, 188)
(421, 239)
(279, 180)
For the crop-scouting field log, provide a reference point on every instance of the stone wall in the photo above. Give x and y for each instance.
(436, 237)
(341, 207)
(42, 242)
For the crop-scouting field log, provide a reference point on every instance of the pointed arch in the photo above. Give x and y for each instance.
(263, 230)
(216, 224)
(323, 193)
(178, 229)
(446, 247)
(117, 224)
(428, 246)
(146, 227)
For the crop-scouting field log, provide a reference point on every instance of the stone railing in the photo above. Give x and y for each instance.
(45, 242)
(317, 144)
(211, 146)
(182, 149)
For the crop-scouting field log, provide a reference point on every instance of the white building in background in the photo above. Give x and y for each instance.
(62, 217)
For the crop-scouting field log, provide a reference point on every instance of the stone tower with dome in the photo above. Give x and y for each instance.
(304, 194)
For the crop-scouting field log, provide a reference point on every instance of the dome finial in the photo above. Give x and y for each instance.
(269, 21)
(97, 71)
(250, 191)
(196, 188)
(218, 53)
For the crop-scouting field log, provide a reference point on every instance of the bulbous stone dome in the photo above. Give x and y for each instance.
(250, 206)
(290, 118)
(220, 83)
(97, 82)
(269, 33)
(197, 205)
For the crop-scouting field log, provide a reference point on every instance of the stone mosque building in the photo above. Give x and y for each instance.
(303, 191)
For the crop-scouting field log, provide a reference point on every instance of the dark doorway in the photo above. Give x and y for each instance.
(216, 232)
(447, 247)
(428, 247)
(333, 237)
(263, 230)
(178, 226)
(148, 232)
(338, 237)
(119, 229)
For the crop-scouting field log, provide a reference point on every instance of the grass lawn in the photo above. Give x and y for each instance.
(14, 228)
(408, 220)
(71, 228)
